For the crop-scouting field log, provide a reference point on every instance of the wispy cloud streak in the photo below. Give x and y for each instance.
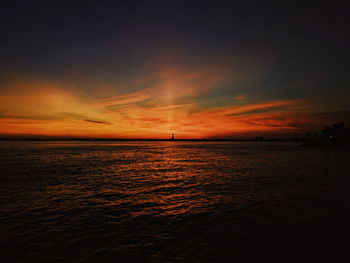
(170, 101)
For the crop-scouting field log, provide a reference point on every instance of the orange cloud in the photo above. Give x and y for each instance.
(167, 104)
(251, 107)
(135, 97)
(240, 97)
(272, 116)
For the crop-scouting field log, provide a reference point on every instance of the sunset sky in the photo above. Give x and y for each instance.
(147, 69)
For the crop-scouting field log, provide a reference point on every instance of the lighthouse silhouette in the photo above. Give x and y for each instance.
(172, 136)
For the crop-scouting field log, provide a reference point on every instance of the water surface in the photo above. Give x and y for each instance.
(172, 202)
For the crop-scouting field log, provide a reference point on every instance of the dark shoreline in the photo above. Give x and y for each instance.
(156, 140)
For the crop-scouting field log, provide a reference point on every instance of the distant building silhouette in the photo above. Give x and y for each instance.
(172, 136)
(337, 135)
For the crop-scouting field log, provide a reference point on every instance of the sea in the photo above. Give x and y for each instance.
(173, 201)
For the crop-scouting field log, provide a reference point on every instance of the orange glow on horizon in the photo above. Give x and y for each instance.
(43, 109)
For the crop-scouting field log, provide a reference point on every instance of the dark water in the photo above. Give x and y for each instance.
(172, 202)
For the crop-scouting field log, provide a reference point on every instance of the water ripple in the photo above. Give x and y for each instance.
(170, 202)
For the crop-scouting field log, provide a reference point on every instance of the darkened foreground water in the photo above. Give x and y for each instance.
(172, 202)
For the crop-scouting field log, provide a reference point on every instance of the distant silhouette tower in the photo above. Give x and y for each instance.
(172, 136)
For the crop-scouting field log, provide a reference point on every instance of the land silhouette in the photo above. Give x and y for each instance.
(335, 136)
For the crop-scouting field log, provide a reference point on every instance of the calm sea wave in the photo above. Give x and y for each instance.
(172, 202)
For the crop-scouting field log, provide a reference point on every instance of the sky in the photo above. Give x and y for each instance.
(147, 69)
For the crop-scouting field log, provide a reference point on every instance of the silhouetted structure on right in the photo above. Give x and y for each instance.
(338, 135)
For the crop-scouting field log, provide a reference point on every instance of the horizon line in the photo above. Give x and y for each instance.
(255, 139)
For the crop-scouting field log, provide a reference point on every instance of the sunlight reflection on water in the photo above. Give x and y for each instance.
(158, 201)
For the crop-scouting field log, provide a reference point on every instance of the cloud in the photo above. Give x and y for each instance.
(35, 107)
(240, 97)
(39, 100)
(170, 101)
(98, 122)
(238, 110)
(168, 85)
(264, 117)
(130, 98)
